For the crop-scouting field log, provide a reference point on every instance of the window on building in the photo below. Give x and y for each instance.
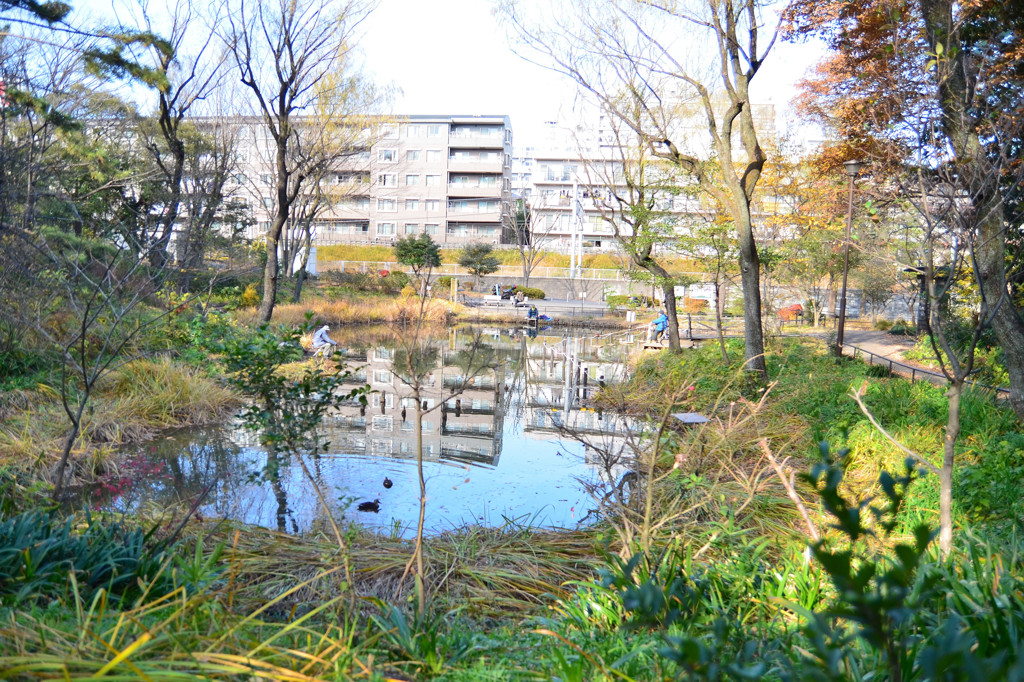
(381, 376)
(266, 178)
(268, 202)
(387, 180)
(383, 423)
(412, 228)
(433, 131)
(385, 228)
(387, 155)
(433, 156)
(412, 180)
(412, 204)
(387, 205)
(414, 131)
(412, 155)
(381, 446)
(432, 205)
(429, 228)
(390, 132)
(433, 180)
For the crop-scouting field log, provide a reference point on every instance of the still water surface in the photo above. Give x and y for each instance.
(494, 445)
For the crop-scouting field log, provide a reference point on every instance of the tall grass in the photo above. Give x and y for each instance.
(437, 312)
(131, 403)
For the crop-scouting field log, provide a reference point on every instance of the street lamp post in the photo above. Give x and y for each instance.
(852, 170)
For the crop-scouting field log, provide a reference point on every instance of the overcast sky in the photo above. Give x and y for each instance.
(451, 57)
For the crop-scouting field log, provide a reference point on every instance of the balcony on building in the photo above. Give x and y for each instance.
(485, 191)
(473, 232)
(476, 161)
(328, 231)
(477, 136)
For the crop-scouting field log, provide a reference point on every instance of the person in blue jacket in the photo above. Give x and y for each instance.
(660, 326)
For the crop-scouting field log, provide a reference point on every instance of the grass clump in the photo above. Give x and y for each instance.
(130, 403)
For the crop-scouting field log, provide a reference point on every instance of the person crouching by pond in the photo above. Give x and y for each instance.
(323, 345)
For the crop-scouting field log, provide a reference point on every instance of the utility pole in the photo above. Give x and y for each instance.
(852, 169)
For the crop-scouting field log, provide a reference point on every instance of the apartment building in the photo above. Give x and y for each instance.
(569, 181)
(447, 176)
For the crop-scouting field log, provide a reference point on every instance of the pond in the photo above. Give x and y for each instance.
(495, 445)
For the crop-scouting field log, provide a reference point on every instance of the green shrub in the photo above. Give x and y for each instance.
(444, 281)
(628, 301)
(883, 325)
(366, 282)
(531, 292)
(39, 554)
(394, 282)
(903, 328)
(879, 371)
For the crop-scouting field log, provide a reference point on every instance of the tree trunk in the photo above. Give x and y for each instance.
(719, 300)
(300, 276)
(750, 277)
(271, 271)
(669, 292)
(420, 596)
(956, 95)
(159, 253)
(946, 474)
(270, 276)
(1006, 320)
(69, 442)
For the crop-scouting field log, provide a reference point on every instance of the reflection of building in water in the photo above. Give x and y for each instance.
(545, 383)
(463, 418)
(561, 379)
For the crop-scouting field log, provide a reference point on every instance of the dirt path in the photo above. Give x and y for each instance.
(880, 348)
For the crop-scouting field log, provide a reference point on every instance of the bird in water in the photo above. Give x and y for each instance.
(369, 506)
(387, 482)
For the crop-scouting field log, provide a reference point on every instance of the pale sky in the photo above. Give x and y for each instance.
(451, 57)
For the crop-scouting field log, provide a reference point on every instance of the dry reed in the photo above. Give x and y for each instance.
(131, 403)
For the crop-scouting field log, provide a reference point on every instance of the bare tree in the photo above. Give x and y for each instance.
(295, 58)
(520, 225)
(204, 214)
(632, 47)
(186, 72)
(633, 204)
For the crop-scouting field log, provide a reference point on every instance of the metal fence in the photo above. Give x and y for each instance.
(914, 373)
